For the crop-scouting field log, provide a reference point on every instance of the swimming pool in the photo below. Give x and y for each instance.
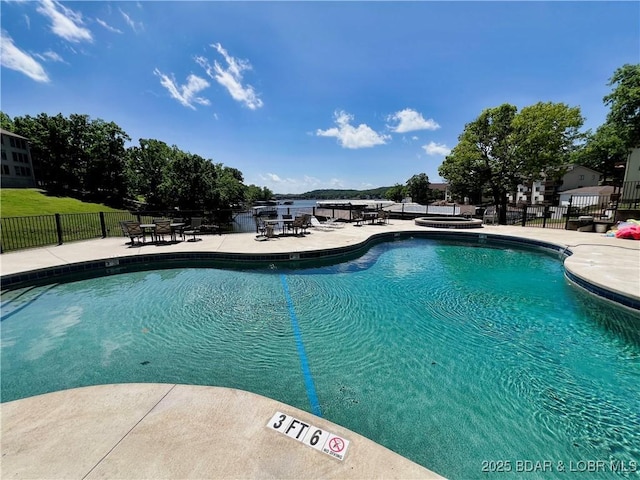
(450, 355)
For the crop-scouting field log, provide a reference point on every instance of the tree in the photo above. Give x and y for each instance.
(254, 193)
(5, 122)
(503, 148)
(396, 193)
(146, 165)
(418, 188)
(602, 151)
(624, 101)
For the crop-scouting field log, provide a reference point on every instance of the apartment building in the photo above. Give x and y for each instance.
(17, 168)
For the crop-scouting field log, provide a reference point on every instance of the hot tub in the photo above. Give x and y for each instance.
(449, 222)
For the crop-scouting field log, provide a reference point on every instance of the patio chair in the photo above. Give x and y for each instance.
(300, 223)
(261, 228)
(383, 217)
(163, 227)
(134, 231)
(194, 229)
(306, 222)
(123, 226)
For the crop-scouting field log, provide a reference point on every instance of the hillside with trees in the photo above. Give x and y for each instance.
(86, 158)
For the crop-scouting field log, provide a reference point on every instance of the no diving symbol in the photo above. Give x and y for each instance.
(336, 444)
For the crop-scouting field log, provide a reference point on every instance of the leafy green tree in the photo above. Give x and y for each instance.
(145, 169)
(187, 183)
(231, 190)
(105, 172)
(418, 188)
(624, 102)
(503, 148)
(6, 123)
(602, 151)
(50, 151)
(254, 193)
(396, 193)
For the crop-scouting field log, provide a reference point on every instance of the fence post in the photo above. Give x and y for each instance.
(566, 223)
(59, 228)
(103, 225)
(545, 214)
(524, 216)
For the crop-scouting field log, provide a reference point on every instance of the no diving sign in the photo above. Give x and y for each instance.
(310, 435)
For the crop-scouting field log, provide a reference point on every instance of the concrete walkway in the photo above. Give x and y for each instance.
(179, 431)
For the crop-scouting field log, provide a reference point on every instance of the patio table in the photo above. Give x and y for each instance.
(148, 228)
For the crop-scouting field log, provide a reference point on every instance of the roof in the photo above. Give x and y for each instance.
(597, 190)
(573, 167)
(11, 134)
(439, 186)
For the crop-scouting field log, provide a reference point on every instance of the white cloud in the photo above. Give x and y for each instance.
(49, 56)
(307, 183)
(185, 94)
(136, 27)
(27, 20)
(231, 77)
(433, 148)
(15, 59)
(65, 22)
(107, 26)
(410, 120)
(352, 137)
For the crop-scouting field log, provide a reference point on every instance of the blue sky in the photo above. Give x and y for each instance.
(306, 95)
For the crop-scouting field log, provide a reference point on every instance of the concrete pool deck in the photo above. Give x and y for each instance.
(181, 431)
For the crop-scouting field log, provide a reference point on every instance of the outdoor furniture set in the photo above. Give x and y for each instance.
(266, 228)
(381, 217)
(161, 228)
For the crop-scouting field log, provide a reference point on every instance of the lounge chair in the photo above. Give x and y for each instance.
(315, 223)
(333, 223)
(194, 229)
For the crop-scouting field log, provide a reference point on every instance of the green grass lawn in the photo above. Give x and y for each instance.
(20, 202)
(27, 219)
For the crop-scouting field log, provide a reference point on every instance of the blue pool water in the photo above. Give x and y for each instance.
(456, 357)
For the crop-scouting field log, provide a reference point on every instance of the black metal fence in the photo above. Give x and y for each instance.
(18, 233)
(630, 195)
(577, 210)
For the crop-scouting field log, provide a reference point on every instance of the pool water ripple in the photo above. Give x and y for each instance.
(449, 355)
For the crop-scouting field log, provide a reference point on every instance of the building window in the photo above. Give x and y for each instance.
(4, 155)
(12, 141)
(581, 177)
(5, 169)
